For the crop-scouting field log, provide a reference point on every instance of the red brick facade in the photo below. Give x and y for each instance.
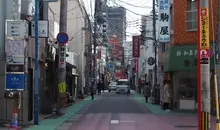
(178, 14)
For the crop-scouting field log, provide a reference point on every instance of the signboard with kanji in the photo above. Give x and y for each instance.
(164, 20)
(136, 46)
(204, 29)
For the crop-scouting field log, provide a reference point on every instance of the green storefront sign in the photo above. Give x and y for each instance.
(181, 58)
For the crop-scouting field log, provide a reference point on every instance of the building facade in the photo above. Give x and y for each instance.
(147, 22)
(180, 57)
(78, 37)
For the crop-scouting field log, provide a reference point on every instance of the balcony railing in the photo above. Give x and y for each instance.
(191, 20)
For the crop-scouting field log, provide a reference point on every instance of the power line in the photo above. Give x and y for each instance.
(135, 5)
(126, 8)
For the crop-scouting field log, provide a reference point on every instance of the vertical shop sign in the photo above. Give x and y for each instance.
(136, 46)
(164, 20)
(204, 36)
(204, 29)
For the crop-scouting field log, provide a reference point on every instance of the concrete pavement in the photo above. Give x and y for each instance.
(119, 112)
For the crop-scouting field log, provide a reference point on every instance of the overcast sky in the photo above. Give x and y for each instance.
(134, 10)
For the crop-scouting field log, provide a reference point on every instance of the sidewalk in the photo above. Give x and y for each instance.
(156, 109)
(52, 122)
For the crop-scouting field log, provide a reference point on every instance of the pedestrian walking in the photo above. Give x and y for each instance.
(167, 96)
(102, 86)
(99, 85)
(162, 93)
(146, 91)
(92, 90)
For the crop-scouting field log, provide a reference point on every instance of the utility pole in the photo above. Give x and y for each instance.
(155, 44)
(204, 103)
(216, 47)
(90, 51)
(36, 69)
(62, 47)
(94, 49)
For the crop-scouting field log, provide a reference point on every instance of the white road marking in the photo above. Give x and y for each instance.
(117, 121)
(114, 121)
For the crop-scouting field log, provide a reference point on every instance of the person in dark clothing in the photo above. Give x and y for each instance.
(102, 86)
(99, 87)
(92, 90)
(146, 91)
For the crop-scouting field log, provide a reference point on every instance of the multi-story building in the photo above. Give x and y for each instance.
(127, 53)
(78, 43)
(147, 22)
(116, 22)
(180, 57)
(23, 10)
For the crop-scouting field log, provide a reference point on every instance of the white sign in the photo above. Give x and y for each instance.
(18, 60)
(164, 20)
(14, 47)
(43, 29)
(71, 59)
(18, 28)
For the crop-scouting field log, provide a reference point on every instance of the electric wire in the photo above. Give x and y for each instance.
(135, 5)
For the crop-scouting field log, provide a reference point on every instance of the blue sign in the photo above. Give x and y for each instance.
(15, 81)
(62, 38)
(110, 66)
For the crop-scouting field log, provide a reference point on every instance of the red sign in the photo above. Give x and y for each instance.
(204, 53)
(120, 74)
(115, 42)
(136, 46)
(204, 11)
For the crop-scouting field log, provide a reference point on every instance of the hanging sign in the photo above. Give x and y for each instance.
(164, 20)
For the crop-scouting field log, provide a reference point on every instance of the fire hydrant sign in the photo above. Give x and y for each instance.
(204, 28)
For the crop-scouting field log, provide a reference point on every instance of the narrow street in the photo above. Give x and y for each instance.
(119, 112)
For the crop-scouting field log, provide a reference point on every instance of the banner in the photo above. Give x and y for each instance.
(136, 46)
(164, 20)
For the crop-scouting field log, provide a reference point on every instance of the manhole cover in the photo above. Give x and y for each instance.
(186, 126)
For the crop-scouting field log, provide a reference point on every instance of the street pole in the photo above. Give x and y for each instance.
(36, 69)
(216, 46)
(94, 49)
(155, 44)
(217, 66)
(62, 47)
(90, 51)
(204, 103)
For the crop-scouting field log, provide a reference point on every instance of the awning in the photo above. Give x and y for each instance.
(181, 58)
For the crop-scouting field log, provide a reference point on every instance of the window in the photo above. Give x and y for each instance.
(191, 15)
(122, 83)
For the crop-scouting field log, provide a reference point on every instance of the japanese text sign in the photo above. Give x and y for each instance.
(204, 28)
(62, 56)
(164, 20)
(186, 52)
(136, 46)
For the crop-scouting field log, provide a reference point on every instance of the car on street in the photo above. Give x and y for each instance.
(112, 86)
(123, 86)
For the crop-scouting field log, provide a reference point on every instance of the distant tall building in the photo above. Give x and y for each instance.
(116, 18)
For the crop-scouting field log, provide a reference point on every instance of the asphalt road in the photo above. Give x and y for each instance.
(121, 112)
